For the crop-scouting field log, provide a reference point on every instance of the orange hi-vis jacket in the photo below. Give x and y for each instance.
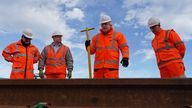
(55, 62)
(168, 47)
(106, 49)
(22, 59)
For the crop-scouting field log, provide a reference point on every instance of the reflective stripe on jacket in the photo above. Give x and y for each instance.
(22, 67)
(168, 47)
(106, 49)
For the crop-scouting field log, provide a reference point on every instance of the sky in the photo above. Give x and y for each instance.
(71, 16)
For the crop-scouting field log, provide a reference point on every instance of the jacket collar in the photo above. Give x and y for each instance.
(54, 44)
(160, 32)
(109, 33)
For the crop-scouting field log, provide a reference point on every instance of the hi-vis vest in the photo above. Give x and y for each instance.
(56, 62)
(106, 49)
(166, 51)
(22, 59)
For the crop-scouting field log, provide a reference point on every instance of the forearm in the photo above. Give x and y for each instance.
(42, 61)
(125, 52)
(69, 61)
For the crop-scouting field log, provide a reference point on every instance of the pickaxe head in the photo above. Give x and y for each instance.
(87, 29)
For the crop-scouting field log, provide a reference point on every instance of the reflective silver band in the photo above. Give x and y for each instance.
(166, 61)
(21, 70)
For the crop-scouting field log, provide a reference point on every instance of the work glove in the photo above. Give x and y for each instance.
(87, 43)
(69, 74)
(41, 74)
(125, 62)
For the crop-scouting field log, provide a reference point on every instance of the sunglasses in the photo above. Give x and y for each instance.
(153, 27)
(103, 24)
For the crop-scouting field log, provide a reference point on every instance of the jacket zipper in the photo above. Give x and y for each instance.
(26, 64)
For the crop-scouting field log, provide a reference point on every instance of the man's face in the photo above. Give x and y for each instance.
(155, 29)
(26, 40)
(57, 38)
(106, 27)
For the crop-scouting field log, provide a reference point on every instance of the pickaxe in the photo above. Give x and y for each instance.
(88, 50)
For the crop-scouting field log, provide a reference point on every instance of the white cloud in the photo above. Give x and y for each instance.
(68, 3)
(41, 16)
(173, 14)
(146, 54)
(149, 36)
(76, 13)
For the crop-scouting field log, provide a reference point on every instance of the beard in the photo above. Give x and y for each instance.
(25, 44)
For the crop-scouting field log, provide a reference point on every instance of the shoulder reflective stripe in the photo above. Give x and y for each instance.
(113, 39)
(178, 43)
(166, 39)
(166, 36)
(166, 61)
(97, 41)
(20, 55)
(164, 48)
(56, 64)
(112, 61)
(21, 70)
(123, 45)
(112, 47)
(7, 50)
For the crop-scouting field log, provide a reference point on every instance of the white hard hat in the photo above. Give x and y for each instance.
(28, 33)
(57, 33)
(153, 21)
(105, 18)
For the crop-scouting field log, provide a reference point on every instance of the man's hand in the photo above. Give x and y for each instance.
(87, 43)
(125, 62)
(41, 74)
(69, 74)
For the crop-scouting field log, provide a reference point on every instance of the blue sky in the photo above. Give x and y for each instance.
(70, 16)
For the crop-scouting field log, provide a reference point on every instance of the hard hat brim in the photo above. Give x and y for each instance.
(30, 37)
(104, 22)
(57, 35)
(153, 25)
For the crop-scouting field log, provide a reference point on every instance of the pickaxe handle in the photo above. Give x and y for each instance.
(88, 50)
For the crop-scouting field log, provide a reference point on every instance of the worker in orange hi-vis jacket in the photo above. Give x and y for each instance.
(106, 46)
(23, 55)
(56, 58)
(169, 50)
